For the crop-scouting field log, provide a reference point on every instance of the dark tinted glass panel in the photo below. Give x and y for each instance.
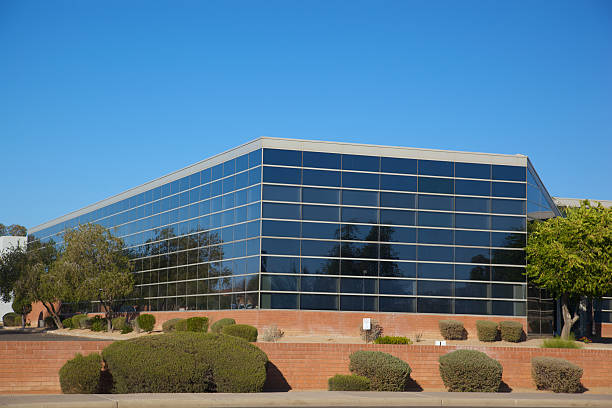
(503, 308)
(432, 305)
(508, 223)
(278, 301)
(359, 250)
(469, 289)
(508, 206)
(397, 287)
(280, 228)
(396, 304)
(473, 170)
(474, 238)
(318, 284)
(472, 272)
(320, 248)
(356, 214)
(401, 183)
(320, 195)
(471, 187)
(356, 162)
(397, 234)
(358, 303)
(280, 264)
(435, 185)
(434, 288)
(508, 256)
(282, 175)
(508, 240)
(281, 193)
(353, 285)
(321, 178)
(436, 168)
(320, 266)
(322, 160)
(395, 251)
(435, 271)
(396, 165)
(397, 217)
(435, 253)
(507, 291)
(255, 175)
(435, 236)
(508, 274)
(359, 268)
(468, 306)
(255, 158)
(398, 269)
(280, 246)
(282, 157)
(434, 219)
(286, 211)
(435, 202)
(217, 172)
(242, 163)
(469, 204)
(472, 255)
(472, 221)
(320, 230)
(359, 180)
(509, 190)
(513, 173)
(229, 168)
(280, 283)
(359, 232)
(355, 197)
(318, 302)
(320, 213)
(398, 200)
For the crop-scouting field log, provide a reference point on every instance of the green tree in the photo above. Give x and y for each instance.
(15, 230)
(98, 263)
(12, 265)
(571, 257)
(22, 305)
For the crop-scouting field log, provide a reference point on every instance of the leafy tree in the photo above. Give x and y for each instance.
(22, 305)
(571, 257)
(97, 262)
(14, 230)
(12, 265)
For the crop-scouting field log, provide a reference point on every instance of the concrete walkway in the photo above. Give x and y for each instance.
(309, 399)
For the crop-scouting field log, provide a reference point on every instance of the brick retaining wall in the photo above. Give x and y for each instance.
(32, 367)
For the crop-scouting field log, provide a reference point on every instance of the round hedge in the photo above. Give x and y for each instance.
(487, 330)
(385, 372)
(471, 371)
(220, 324)
(556, 374)
(186, 362)
(452, 330)
(11, 319)
(82, 375)
(511, 331)
(120, 323)
(249, 333)
(170, 325)
(146, 322)
(193, 324)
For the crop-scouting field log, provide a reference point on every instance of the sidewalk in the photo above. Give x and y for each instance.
(309, 399)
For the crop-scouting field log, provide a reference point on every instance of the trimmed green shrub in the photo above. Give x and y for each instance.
(67, 323)
(186, 362)
(127, 329)
(340, 382)
(80, 321)
(146, 322)
(511, 331)
(194, 324)
(82, 375)
(99, 324)
(452, 330)
(470, 371)
(11, 320)
(556, 374)
(487, 330)
(393, 340)
(220, 324)
(50, 323)
(170, 325)
(558, 342)
(385, 372)
(249, 333)
(119, 323)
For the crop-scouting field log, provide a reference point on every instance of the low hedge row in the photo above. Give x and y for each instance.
(392, 340)
(340, 382)
(192, 324)
(221, 323)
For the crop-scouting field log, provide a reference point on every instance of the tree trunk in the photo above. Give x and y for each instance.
(568, 320)
(51, 310)
(22, 321)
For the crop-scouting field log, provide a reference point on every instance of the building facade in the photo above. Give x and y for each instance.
(310, 225)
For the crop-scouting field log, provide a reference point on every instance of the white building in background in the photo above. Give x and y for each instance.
(6, 243)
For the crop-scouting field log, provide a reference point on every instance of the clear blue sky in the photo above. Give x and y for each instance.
(98, 97)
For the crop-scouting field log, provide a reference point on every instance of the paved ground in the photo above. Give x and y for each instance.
(309, 399)
(35, 335)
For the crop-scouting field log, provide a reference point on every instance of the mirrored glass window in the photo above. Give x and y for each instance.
(320, 195)
(282, 175)
(320, 230)
(357, 197)
(396, 304)
(280, 246)
(322, 160)
(397, 165)
(320, 213)
(283, 211)
(318, 302)
(318, 284)
(435, 236)
(357, 162)
(436, 168)
(513, 173)
(398, 183)
(472, 272)
(321, 178)
(471, 204)
(397, 287)
(281, 193)
(359, 180)
(473, 170)
(282, 157)
(509, 190)
(436, 185)
(321, 266)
